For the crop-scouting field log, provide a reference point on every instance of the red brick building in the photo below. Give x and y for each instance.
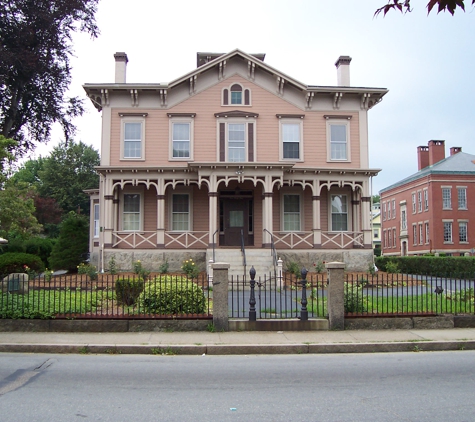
(430, 210)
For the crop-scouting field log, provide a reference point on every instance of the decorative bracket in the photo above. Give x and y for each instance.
(134, 95)
(365, 101)
(193, 84)
(280, 85)
(336, 100)
(251, 67)
(163, 97)
(105, 96)
(309, 99)
(222, 70)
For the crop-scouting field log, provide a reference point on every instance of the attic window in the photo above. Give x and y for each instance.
(236, 95)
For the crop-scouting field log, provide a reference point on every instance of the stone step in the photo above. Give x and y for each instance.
(261, 259)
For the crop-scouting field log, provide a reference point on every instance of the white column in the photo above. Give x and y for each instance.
(213, 212)
(267, 220)
(366, 215)
(316, 216)
(108, 196)
(160, 213)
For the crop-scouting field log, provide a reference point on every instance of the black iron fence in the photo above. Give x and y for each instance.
(403, 294)
(107, 296)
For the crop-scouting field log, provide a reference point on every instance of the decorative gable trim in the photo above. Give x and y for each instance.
(236, 113)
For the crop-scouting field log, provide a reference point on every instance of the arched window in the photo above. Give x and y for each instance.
(236, 95)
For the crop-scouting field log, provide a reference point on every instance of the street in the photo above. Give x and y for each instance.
(425, 386)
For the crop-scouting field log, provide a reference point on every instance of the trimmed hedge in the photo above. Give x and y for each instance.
(14, 262)
(437, 266)
(127, 290)
(172, 297)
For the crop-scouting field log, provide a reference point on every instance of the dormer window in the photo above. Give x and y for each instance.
(236, 95)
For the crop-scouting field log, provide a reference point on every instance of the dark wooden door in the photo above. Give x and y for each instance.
(236, 220)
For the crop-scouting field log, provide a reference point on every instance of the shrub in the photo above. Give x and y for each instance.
(190, 269)
(88, 269)
(13, 262)
(319, 266)
(354, 301)
(127, 290)
(293, 268)
(41, 247)
(172, 297)
(112, 265)
(141, 272)
(163, 268)
(392, 268)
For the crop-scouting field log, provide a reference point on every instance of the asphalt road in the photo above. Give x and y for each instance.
(437, 386)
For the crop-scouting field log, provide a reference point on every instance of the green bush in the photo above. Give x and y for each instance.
(41, 247)
(293, 268)
(354, 301)
(17, 262)
(172, 296)
(127, 290)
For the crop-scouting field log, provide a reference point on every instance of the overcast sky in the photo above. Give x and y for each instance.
(426, 62)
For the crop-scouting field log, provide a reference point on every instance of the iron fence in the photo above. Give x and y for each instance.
(404, 294)
(278, 297)
(107, 297)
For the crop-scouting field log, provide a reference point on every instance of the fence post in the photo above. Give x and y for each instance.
(220, 296)
(336, 295)
(210, 272)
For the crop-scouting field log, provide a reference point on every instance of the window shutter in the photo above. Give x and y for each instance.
(250, 142)
(222, 142)
(247, 97)
(225, 97)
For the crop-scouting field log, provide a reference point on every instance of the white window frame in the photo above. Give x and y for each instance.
(390, 241)
(403, 219)
(426, 200)
(290, 121)
(384, 211)
(463, 223)
(414, 234)
(96, 216)
(348, 208)
(393, 205)
(419, 201)
(338, 122)
(413, 202)
(421, 234)
(243, 96)
(447, 199)
(448, 231)
(132, 191)
(134, 120)
(236, 121)
(181, 120)
(389, 210)
(282, 207)
(462, 199)
(426, 224)
(181, 191)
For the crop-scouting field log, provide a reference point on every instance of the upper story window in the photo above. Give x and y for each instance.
(462, 198)
(236, 95)
(338, 138)
(426, 199)
(413, 203)
(133, 136)
(403, 220)
(236, 142)
(181, 136)
(414, 234)
(419, 201)
(384, 211)
(446, 198)
(389, 210)
(291, 140)
(339, 212)
(393, 205)
(427, 232)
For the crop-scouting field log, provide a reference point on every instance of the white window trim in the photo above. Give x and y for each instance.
(427, 232)
(243, 100)
(237, 120)
(98, 220)
(451, 200)
(130, 119)
(348, 212)
(287, 191)
(283, 121)
(131, 191)
(179, 120)
(448, 242)
(180, 191)
(458, 201)
(426, 199)
(348, 144)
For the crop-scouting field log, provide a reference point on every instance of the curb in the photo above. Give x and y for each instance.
(240, 349)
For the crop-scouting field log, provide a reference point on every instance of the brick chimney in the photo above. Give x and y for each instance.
(343, 70)
(422, 157)
(120, 67)
(455, 150)
(436, 151)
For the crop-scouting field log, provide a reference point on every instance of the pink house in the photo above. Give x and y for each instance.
(233, 155)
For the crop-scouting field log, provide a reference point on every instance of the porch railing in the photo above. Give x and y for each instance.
(134, 239)
(342, 240)
(293, 239)
(187, 239)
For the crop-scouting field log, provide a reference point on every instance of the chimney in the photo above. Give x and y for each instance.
(436, 151)
(343, 70)
(455, 150)
(120, 67)
(422, 157)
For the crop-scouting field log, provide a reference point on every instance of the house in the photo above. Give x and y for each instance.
(376, 224)
(429, 211)
(233, 158)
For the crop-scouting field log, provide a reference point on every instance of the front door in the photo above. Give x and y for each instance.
(236, 221)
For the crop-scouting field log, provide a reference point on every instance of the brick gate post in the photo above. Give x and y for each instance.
(336, 295)
(220, 296)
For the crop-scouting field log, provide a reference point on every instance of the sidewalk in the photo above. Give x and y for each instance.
(227, 343)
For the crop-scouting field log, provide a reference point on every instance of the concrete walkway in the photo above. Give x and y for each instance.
(226, 343)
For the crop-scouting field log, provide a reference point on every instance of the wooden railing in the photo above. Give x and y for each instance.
(134, 239)
(186, 239)
(342, 240)
(293, 239)
(147, 240)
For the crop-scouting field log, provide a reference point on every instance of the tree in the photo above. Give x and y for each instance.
(442, 6)
(66, 173)
(375, 199)
(6, 157)
(35, 52)
(73, 243)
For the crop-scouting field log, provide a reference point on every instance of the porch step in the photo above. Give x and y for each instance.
(261, 259)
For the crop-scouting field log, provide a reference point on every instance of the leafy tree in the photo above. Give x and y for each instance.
(66, 173)
(442, 6)
(48, 213)
(6, 157)
(72, 244)
(376, 199)
(29, 172)
(35, 52)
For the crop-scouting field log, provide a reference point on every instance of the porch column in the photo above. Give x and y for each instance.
(213, 211)
(267, 219)
(366, 216)
(160, 213)
(108, 212)
(316, 223)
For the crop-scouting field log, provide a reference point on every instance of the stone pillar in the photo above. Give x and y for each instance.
(336, 295)
(220, 296)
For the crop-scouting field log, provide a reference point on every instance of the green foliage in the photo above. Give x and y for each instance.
(6, 156)
(163, 268)
(172, 297)
(319, 266)
(112, 266)
(190, 269)
(15, 262)
(141, 272)
(404, 6)
(354, 301)
(293, 268)
(72, 244)
(127, 290)
(88, 269)
(392, 268)
(39, 246)
(211, 328)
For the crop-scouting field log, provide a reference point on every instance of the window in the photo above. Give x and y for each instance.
(338, 134)
(236, 95)
(413, 203)
(131, 212)
(180, 212)
(419, 201)
(447, 231)
(426, 199)
(421, 235)
(236, 136)
(96, 220)
(236, 142)
(376, 233)
(427, 232)
(385, 239)
(394, 238)
(446, 199)
(291, 208)
(463, 234)
(291, 139)
(403, 220)
(414, 234)
(462, 198)
(133, 145)
(393, 204)
(181, 140)
(384, 211)
(389, 210)
(339, 212)
(389, 238)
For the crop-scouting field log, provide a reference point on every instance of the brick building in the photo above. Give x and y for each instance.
(430, 210)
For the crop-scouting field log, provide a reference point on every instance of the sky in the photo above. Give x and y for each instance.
(426, 62)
